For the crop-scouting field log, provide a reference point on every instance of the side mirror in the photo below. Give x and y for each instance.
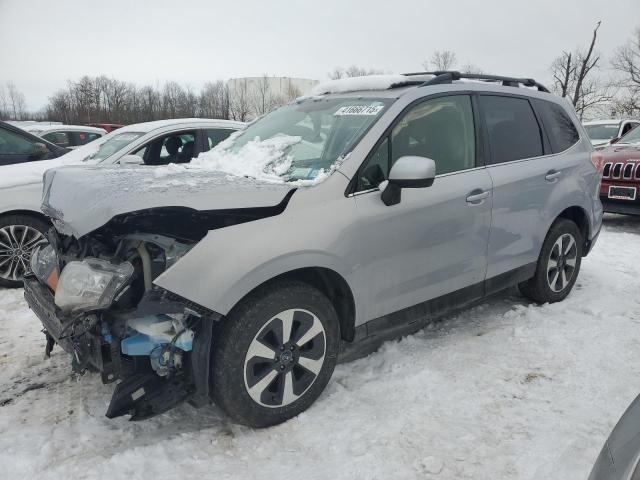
(408, 172)
(39, 151)
(131, 160)
(614, 140)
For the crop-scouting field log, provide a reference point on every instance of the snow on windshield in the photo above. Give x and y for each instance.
(264, 160)
(354, 84)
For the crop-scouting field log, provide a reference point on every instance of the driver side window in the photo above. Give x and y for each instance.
(441, 129)
(175, 147)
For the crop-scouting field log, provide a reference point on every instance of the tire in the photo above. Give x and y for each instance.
(19, 235)
(549, 285)
(250, 379)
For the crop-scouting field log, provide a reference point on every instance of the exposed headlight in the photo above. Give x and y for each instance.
(91, 284)
(44, 265)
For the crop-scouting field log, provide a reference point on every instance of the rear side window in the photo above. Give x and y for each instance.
(61, 139)
(514, 133)
(560, 128)
(216, 135)
(82, 138)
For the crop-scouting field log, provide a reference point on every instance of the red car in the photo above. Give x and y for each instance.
(620, 187)
(109, 127)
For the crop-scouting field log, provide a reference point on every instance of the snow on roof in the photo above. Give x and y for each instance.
(603, 122)
(356, 84)
(43, 128)
(150, 126)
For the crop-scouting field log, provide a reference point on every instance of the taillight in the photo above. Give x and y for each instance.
(597, 159)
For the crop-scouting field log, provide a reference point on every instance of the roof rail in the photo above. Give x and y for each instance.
(448, 76)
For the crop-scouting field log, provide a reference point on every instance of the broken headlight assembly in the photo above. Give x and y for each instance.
(91, 284)
(44, 265)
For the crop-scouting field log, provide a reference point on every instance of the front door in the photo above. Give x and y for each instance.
(434, 241)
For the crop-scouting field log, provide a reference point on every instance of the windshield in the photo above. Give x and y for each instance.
(114, 144)
(632, 138)
(315, 132)
(602, 131)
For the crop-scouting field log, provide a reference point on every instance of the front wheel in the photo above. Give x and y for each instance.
(274, 354)
(19, 236)
(558, 265)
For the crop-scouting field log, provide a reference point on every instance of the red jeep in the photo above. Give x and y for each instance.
(109, 127)
(620, 187)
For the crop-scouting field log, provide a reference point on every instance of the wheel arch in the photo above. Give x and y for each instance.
(578, 216)
(29, 213)
(332, 285)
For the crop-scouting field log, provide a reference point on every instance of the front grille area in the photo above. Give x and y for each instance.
(617, 170)
(628, 171)
(606, 171)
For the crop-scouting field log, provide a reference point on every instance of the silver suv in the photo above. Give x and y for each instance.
(403, 197)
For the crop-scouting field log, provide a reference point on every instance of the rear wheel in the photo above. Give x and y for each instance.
(19, 235)
(558, 265)
(274, 354)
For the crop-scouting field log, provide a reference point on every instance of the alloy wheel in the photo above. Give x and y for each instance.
(561, 265)
(17, 242)
(285, 358)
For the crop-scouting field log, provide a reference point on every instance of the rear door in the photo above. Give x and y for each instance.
(528, 173)
(17, 148)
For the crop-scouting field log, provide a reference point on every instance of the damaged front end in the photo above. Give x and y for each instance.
(96, 298)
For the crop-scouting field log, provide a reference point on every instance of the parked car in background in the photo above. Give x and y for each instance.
(109, 127)
(19, 146)
(603, 132)
(242, 280)
(619, 458)
(66, 136)
(620, 187)
(22, 223)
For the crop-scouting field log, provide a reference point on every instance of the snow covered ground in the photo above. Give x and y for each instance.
(505, 390)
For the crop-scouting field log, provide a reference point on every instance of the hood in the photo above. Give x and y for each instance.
(82, 199)
(621, 153)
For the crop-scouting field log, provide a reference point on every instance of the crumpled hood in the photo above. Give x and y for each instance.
(83, 198)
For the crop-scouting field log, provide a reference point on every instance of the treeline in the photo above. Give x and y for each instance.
(12, 103)
(103, 99)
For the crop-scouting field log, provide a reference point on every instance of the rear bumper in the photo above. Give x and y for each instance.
(625, 208)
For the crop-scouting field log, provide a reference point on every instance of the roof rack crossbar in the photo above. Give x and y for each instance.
(447, 76)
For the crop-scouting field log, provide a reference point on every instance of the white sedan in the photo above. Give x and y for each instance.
(22, 224)
(66, 136)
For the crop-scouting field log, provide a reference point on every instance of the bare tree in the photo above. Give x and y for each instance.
(574, 77)
(214, 100)
(15, 102)
(240, 101)
(4, 106)
(627, 60)
(262, 97)
(471, 68)
(441, 60)
(352, 71)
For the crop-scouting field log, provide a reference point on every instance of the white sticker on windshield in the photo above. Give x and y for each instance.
(359, 110)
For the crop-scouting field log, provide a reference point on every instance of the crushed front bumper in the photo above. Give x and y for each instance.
(141, 393)
(88, 350)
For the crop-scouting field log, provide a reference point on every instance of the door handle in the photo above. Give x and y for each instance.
(552, 176)
(477, 198)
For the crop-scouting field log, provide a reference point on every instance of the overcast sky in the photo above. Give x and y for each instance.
(43, 42)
